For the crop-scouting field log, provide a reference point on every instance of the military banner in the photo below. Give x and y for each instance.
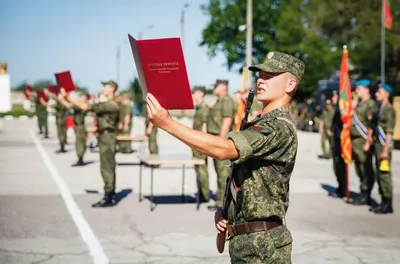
(346, 108)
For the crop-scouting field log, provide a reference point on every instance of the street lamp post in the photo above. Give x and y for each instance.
(183, 25)
(249, 39)
(118, 53)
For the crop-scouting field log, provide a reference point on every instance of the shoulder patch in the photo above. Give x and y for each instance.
(256, 127)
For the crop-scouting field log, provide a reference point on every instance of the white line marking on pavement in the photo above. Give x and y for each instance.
(88, 236)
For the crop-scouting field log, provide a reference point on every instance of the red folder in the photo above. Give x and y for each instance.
(54, 89)
(162, 71)
(64, 79)
(28, 88)
(42, 95)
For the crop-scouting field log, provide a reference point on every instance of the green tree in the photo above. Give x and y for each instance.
(277, 25)
(358, 25)
(313, 30)
(20, 87)
(41, 84)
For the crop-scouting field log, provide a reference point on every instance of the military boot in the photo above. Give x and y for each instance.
(79, 162)
(364, 198)
(107, 201)
(385, 207)
(62, 149)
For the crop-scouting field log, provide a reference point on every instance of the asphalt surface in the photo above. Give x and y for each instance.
(46, 214)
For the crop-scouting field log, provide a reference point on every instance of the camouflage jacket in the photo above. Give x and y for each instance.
(107, 114)
(267, 152)
(200, 116)
(61, 110)
(362, 118)
(386, 121)
(327, 118)
(224, 107)
(79, 116)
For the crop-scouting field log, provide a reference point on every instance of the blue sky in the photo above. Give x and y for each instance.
(41, 37)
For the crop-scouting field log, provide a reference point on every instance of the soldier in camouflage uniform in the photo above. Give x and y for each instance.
(200, 124)
(362, 117)
(381, 136)
(220, 122)
(125, 124)
(266, 153)
(107, 112)
(41, 105)
(79, 123)
(339, 167)
(325, 130)
(61, 114)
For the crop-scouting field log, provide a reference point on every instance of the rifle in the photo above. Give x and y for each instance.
(230, 181)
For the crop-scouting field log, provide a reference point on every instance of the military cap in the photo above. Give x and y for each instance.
(387, 87)
(110, 82)
(199, 88)
(363, 82)
(328, 102)
(279, 62)
(226, 82)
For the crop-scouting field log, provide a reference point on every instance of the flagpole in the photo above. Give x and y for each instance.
(383, 31)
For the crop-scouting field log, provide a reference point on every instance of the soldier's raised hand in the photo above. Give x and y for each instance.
(156, 113)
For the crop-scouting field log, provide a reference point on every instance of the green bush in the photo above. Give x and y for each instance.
(16, 112)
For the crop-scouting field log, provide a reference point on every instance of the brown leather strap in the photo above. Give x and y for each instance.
(251, 227)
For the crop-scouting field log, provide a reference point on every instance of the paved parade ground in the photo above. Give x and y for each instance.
(46, 215)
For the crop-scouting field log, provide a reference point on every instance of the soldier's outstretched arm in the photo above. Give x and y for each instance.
(79, 104)
(210, 145)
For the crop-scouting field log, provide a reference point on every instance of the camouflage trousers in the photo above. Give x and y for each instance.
(89, 124)
(107, 149)
(363, 164)
(202, 176)
(273, 246)
(42, 122)
(125, 146)
(384, 178)
(153, 146)
(222, 171)
(61, 129)
(339, 167)
(80, 140)
(326, 151)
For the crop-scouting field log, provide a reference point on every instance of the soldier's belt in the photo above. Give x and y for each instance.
(251, 227)
(107, 130)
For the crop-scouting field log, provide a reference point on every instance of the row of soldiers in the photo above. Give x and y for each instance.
(371, 133)
(217, 120)
(111, 112)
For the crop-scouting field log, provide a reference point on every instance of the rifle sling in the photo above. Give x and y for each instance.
(234, 190)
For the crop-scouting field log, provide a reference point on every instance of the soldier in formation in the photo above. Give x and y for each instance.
(220, 122)
(200, 124)
(125, 123)
(339, 166)
(380, 136)
(362, 117)
(325, 123)
(107, 113)
(41, 104)
(61, 114)
(79, 123)
(265, 153)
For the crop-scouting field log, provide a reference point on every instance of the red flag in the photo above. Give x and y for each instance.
(346, 108)
(387, 14)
